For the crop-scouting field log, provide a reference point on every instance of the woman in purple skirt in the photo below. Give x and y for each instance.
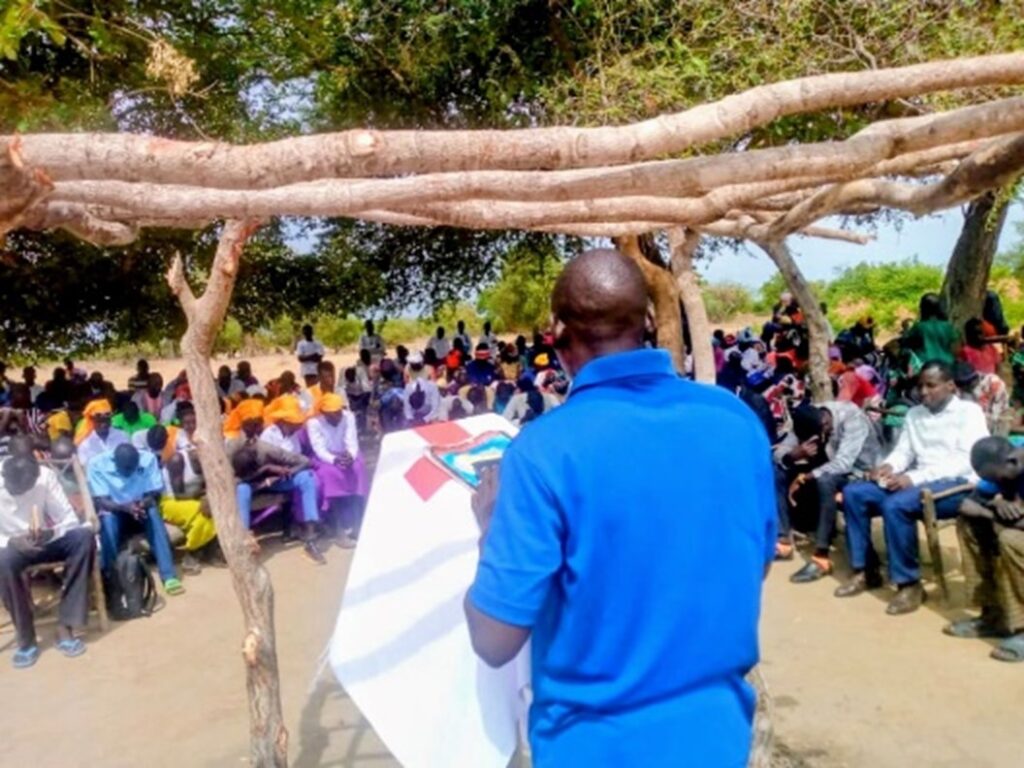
(332, 444)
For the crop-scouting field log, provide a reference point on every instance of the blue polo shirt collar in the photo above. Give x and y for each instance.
(623, 365)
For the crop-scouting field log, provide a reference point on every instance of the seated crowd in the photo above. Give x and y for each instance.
(295, 445)
(917, 414)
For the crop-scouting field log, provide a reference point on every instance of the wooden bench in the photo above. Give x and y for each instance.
(932, 526)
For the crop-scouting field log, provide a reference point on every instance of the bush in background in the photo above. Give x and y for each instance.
(726, 300)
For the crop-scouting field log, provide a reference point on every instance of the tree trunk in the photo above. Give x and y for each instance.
(763, 745)
(683, 243)
(664, 294)
(205, 315)
(963, 289)
(817, 325)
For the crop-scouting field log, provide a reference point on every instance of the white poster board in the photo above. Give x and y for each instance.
(401, 647)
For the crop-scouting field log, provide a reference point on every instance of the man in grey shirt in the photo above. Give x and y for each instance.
(829, 445)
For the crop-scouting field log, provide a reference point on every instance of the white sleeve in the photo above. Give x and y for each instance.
(512, 410)
(320, 350)
(318, 442)
(971, 428)
(434, 396)
(902, 456)
(351, 434)
(57, 507)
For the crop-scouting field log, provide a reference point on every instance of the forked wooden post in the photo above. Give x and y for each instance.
(817, 326)
(205, 315)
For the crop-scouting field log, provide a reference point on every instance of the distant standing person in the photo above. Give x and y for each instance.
(631, 665)
(440, 344)
(461, 335)
(933, 337)
(310, 353)
(489, 339)
(372, 341)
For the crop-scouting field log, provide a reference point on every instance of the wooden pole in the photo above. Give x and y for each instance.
(205, 315)
(817, 325)
(683, 243)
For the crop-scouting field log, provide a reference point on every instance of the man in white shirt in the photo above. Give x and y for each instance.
(96, 436)
(310, 352)
(340, 471)
(422, 397)
(489, 339)
(372, 342)
(440, 344)
(933, 452)
(39, 525)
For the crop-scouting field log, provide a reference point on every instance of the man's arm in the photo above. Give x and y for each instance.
(520, 554)
(902, 456)
(318, 443)
(107, 504)
(495, 642)
(854, 434)
(275, 455)
(351, 434)
(57, 507)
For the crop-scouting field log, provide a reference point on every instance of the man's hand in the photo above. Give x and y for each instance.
(971, 507)
(345, 460)
(898, 482)
(25, 543)
(795, 486)
(484, 498)
(806, 450)
(1007, 512)
(880, 474)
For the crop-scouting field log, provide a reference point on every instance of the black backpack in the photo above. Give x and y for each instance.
(131, 590)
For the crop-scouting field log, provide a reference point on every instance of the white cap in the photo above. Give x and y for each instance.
(416, 358)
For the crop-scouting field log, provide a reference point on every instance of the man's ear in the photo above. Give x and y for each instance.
(650, 324)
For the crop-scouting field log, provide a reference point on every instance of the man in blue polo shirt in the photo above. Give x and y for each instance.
(629, 538)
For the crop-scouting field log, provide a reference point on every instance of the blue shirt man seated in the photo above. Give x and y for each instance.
(126, 487)
(612, 563)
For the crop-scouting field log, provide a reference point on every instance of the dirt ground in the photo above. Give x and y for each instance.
(851, 686)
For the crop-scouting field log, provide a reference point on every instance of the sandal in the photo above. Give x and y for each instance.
(1011, 649)
(977, 627)
(784, 550)
(71, 647)
(174, 587)
(25, 657)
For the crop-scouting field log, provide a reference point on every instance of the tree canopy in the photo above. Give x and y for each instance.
(242, 70)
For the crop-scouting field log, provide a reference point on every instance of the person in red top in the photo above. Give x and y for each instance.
(855, 388)
(977, 351)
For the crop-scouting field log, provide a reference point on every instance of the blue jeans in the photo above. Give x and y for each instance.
(304, 483)
(111, 526)
(900, 511)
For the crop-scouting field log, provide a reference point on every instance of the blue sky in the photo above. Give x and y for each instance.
(929, 239)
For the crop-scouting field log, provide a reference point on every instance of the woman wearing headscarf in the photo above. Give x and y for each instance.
(94, 434)
(331, 442)
(285, 418)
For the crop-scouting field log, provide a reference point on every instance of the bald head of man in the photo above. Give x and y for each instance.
(599, 307)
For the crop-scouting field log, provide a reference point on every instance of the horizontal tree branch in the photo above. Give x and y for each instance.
(363, 152)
